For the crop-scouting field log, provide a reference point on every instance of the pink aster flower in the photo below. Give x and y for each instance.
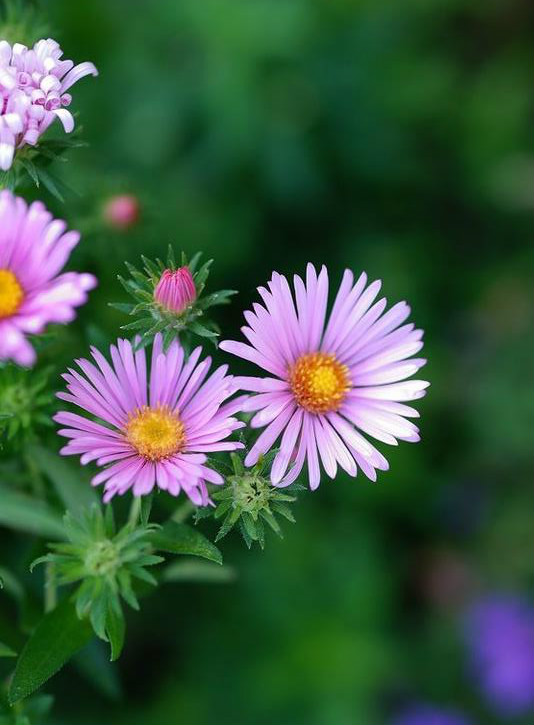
(152, 430)
(33, 93)
(330, 380)
(34, 247)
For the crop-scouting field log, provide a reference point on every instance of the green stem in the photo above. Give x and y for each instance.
(36, 478)
(135, 510)
(50, 589)
(39, 489)
(183, 511)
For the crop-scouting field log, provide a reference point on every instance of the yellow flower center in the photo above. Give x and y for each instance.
(11, 294)
(319, 382)
(155, 433)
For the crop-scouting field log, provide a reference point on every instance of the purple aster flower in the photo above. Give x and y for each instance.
(499, 631)
(424, 714)
(34, 247)
(33, 93)
(152, 430)
(329, 380)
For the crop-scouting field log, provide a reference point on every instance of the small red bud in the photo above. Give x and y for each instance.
(122, 211)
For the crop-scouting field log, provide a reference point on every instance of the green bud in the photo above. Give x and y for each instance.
(106, 563)
(24, 399)
(249, 501)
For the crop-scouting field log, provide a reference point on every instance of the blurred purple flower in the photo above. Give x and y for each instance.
(425, 714)
(33, 93)
(499, 631)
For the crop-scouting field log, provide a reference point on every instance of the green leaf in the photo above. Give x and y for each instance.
(193, 263)
(25, 513)
(202, 572)
(202, 331)
(115, 630)
(50, 183)
(222, 297)
(202, 275)
(57, 637)
(237, 463)
(74, 491)
(6, 651)
(32, 171)
(183, 539)
(126, 307)
(171, 260)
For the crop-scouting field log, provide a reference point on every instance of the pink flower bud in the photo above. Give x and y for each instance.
(122, 212)
(176, 290)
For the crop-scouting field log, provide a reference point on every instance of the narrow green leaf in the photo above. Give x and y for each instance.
(150, 267)
(138, 324)
(171, 260)
(202, 275)
(193, 263)
(228, 523)
(237, 463)
(24, 513)
(57, 637)
(202, 331)
(50, 183)
(202, 572)
(249, 525)
(183, 539)
(32, 172)
(126, 307)
(72, 485)
(222, 297)
(115, 630)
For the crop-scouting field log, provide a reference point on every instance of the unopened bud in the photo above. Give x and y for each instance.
(176, 290)
(122, 212)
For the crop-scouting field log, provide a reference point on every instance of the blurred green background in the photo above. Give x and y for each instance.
(374, 134)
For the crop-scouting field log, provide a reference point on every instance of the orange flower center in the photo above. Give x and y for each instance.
(11, 294)
(155, 433)
(319, 382)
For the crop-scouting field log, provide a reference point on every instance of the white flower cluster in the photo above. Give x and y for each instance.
(33, 93)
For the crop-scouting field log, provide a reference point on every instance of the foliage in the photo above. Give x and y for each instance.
(106, 562)
(25, 399)
(22, 22)
(32, 164)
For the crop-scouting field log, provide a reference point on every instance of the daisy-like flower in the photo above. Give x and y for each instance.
(152, 430)
(34, 247)
(330, 382)
(33, 93)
